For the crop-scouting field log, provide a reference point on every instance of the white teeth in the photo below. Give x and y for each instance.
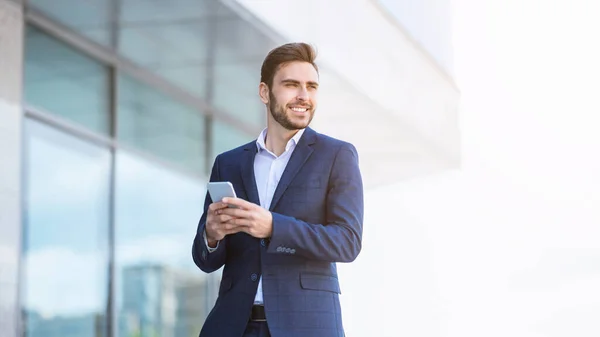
(299, 109)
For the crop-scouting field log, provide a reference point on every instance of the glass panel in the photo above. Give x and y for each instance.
(226, 137)
(154, 122)
(239, 52)
(160, 291)
(170, 39)
(66, 235)
(90, 18)
(65, 82)
(236, 92)
(201, 46)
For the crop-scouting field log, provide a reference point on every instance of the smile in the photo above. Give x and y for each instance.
(299, 109)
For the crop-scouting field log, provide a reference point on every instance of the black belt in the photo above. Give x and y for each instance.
(258, 313)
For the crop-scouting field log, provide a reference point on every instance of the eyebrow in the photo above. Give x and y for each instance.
(298, 82)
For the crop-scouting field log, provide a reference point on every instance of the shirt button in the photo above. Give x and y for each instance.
(262, 242)
(254, 277)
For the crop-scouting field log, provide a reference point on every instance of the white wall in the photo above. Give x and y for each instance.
(429, 22)
(509, 244)
(10, 166)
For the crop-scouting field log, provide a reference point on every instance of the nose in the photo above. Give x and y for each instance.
(302, 94)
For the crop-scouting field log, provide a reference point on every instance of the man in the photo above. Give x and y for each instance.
(298, 211)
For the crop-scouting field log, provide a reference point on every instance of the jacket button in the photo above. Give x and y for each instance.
(254, 277)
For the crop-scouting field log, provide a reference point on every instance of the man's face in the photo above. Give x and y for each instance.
(293, 97)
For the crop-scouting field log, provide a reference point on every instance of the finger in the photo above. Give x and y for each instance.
(238, 202)
(217, 205)
(242, 229)
(236, 229)
(235, 223)
(236, 213)
(224, 218)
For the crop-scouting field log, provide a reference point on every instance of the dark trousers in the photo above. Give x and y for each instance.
(257, 329)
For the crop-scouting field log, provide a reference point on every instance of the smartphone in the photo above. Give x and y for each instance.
(221, 189)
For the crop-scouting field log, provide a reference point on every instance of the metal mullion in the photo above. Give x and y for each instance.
(210, 89)
(69, 127)
(111, 291)
(211, 35)
(82, 133)
(22, 314)
(111, 312)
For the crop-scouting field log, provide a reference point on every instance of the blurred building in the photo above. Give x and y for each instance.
(162, 301)
(111, 113)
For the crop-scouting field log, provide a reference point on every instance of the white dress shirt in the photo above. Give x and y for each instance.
(268, 169)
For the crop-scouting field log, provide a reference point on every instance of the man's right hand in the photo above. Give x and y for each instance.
(218, 225)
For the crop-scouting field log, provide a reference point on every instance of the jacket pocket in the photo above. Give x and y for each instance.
(319, 282)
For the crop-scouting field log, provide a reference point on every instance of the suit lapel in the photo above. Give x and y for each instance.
(247, 171)
(301, 153)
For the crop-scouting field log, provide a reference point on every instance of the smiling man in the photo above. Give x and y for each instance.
(299, 211)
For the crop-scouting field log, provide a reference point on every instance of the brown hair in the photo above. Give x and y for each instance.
(283, 54)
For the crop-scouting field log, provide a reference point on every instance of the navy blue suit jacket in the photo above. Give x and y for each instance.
(317, 212)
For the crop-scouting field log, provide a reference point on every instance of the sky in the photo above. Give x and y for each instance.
(509, 244)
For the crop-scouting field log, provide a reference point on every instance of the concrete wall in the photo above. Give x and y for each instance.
(429, 22)
(11, 46)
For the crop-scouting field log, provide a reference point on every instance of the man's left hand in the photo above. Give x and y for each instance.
(255, 220)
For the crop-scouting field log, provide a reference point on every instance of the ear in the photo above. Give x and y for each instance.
(263, 92)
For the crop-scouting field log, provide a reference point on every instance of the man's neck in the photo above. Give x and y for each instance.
(277, 138)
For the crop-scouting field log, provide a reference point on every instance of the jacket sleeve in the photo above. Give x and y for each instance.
(340, 238)
(205, 260)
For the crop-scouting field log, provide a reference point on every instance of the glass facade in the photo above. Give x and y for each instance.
(117, 151)
(158, 287)
(66, 251)
(158, 124)
(201, 46)
(60, 80)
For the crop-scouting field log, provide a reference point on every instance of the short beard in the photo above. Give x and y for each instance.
(279, 115)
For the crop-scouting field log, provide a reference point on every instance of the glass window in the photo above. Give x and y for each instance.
(66, 230)
(240, 51)
(64, 82)
(201, 46)
(236, 93)
(160, 291)
(90, 18)
(227, 137)
(152, 121)
(171, 40)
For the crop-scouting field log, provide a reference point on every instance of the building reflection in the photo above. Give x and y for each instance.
(159, 300)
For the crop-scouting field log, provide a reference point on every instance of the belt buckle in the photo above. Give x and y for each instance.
(259, 319)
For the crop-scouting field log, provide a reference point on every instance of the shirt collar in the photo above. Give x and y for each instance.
(260, 141)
